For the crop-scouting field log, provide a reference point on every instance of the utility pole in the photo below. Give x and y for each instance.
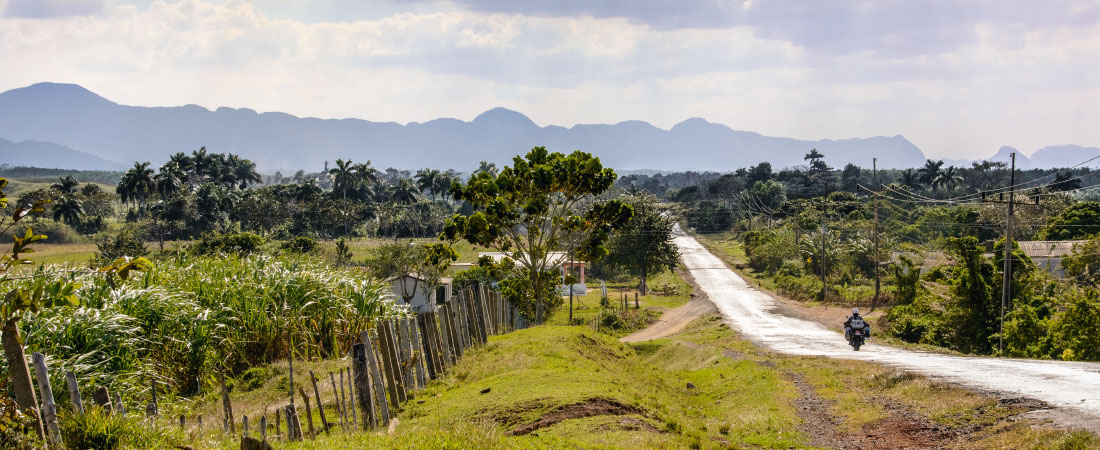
(1006, 285)
(823, 285)
(874, 231)
(1006, 288)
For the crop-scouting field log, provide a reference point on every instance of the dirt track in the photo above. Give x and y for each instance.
(1072, 388)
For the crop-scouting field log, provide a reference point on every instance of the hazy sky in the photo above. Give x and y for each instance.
(958, 78)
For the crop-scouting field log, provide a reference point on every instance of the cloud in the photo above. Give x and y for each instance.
(900, 28)
(963, 80)
(45, 9)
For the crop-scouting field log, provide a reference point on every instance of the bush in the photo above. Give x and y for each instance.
(239, 243)
(300, 244)
(98, 430)
(124, 244)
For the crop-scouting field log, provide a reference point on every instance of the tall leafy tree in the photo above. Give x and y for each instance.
(487, 168)
(644, 246)
(529, 208)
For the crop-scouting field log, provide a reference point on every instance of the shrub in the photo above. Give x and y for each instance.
(240, 243)
(300, 244)
(124, 244)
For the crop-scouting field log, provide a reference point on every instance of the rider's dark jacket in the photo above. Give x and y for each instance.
(848, 324)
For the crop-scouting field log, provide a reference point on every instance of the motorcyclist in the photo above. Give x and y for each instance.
(848, 325)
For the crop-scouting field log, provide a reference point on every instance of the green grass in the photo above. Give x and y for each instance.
(532, 372)
(741, 397)
(666, 290)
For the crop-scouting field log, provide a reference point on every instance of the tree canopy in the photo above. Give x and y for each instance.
(528, 209)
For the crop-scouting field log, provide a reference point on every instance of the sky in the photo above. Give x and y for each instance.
(957, 78)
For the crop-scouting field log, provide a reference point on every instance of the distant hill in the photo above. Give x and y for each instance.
(80, 119)
(49, 155)
(74, 117)
(1058, 156)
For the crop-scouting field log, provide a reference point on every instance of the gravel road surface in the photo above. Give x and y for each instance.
(1072, 389)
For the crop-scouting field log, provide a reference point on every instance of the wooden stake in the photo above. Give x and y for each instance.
(309, 411)
(361, 384)
(376, 378)
(351, 400)
(263, 426)
(74, 392)
(320, 406)
(339, 409)
(49, 408)
(118, 404)
(417, 352)
(152, 409)
(227, 404)
(102, 397)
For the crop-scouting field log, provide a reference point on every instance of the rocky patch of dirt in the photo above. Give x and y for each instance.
(597, 406)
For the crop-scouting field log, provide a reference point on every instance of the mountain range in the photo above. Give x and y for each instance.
(68, 126)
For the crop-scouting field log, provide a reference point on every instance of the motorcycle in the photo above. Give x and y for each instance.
(856, 338)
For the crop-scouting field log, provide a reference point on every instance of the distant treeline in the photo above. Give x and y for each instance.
(51, 175)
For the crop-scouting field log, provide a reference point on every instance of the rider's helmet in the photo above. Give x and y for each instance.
(855, 311)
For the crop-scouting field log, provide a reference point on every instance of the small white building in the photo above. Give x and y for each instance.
(559, 261)
(1047, 255)
(415, 290)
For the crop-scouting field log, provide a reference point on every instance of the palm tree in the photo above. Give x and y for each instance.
(909, 177)
(427, 180)
(930, 172)
(486, 167)
(344, 177)
(136, 184)
(183, 162)
(948, 179)
(244, 171)
(65, 185)
(201, 162)
(404, 192)
(68, 210)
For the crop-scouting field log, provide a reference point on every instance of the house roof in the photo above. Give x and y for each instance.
(555, 258)
(442, 280)
(1048, 249)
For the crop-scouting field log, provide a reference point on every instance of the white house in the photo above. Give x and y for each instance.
(415, 290)
(558, 260)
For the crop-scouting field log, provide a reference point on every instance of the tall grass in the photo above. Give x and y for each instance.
(193, 316)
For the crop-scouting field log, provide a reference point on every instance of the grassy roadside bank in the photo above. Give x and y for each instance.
(570, 387)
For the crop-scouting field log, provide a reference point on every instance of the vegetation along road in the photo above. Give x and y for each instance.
(1068, 387)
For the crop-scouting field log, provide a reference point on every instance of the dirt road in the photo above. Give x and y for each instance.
(1072, 388)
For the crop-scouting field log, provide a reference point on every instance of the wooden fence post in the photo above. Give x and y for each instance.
(361, 384)
(445, 338)
(309, 411)
(74, 392)
(183, 421)
(429, 355)
(49, 408)
(227, 404)
(376, 377)
(263, 426)
(293, 425)
(102, 397)
(339, 410)
(405, 346)
(417, 352)
(344, 403)
(351, 400)
(152, 409)
(118, 403)
(397, 370)
(452, 327)
(244, 425)
(320, 406)
(388, 367)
